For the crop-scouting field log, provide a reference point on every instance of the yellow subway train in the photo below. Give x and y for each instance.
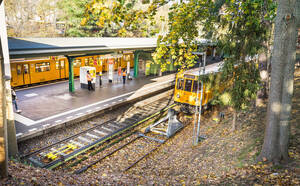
(38, 70)
(185, 93)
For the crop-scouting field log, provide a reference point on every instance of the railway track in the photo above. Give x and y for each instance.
(55, 155)
(156, 142)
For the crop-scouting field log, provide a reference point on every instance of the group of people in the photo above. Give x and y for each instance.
(121, 73)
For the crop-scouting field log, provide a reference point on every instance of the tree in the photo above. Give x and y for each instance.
(21, 13)
(73, 11)
(123, 18)
(31, 18)
(240, 29)
(275, 146)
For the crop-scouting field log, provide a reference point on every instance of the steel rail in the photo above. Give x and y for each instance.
(59, 162)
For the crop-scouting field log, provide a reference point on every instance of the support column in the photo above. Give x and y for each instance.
(71, 74)
(11, 129)
(3, 124)
(12, 146)
(136, 63)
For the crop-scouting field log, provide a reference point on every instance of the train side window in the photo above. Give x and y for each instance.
(98, 61)
(19, 69)
(26, 68)
(77, 63)
(180, 84)
(188, 85)
(91, 61)
(42, 67)
(57, 65)
(195, 86)
(86, 62)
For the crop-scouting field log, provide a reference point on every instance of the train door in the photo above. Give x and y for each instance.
(22, 75)
(62, 69)
(57, 69)
(97, 63)
(26, 74)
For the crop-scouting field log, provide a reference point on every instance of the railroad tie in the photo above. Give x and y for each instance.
(118, 124)
(76, 143)
(84, 139)
(100, 132)
(108, 129)
(113, 125)
(92, 136)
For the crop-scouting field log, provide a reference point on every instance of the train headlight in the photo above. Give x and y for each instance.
(178, 96)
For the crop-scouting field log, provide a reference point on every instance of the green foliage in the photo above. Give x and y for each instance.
(124, 18)
(180, 42)
(243, 81)
(73, 13)
(246, 30)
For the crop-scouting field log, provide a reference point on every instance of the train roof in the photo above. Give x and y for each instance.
(212, 68)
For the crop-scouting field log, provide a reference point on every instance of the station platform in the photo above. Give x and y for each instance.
(48, 107)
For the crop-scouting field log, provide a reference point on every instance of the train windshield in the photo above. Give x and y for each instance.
(195, 86)
(180, 84)
(188, 85)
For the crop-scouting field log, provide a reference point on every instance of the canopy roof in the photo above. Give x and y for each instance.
(37, 47)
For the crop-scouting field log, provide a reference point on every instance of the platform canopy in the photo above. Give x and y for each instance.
(36, 47)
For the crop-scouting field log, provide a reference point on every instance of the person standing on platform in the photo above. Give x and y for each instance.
(120, 73)
(14, 100)
(89, 79)
(100, 79)
(124, 76)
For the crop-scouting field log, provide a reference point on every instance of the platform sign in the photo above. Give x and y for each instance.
(110, 69)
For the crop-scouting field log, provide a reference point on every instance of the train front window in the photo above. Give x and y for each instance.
(188, 85)
(180, 84)
(42, 67)
(195, 86)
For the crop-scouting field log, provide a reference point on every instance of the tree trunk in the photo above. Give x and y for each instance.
(233, 128)
(3, 126)
(287, 92)
(284, 27)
